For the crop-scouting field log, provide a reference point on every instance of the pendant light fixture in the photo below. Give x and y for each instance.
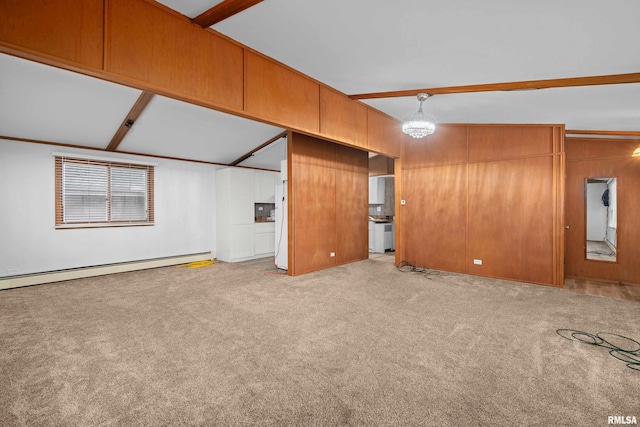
(418, 126)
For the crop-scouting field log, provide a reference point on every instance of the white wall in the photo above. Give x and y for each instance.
(29, 243)
(596, 212)
(612, 220)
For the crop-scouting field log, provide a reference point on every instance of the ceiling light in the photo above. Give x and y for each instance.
(418, 126)
(636, 152)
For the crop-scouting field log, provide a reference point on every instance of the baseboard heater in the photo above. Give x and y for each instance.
(98, 270)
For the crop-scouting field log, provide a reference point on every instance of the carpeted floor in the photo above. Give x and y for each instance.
(360, 344)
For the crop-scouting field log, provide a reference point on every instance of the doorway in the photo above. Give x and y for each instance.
(601, 221)
(381, 208)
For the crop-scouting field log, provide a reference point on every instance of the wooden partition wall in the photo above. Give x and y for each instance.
(328, 204)
(143, 44)
(588, 157)
(485, 193)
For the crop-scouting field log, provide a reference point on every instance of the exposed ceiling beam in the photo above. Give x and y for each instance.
(222, 11)
(258, 148)
(154, 156)
(129, 120)
(603, 132)
(524, 85)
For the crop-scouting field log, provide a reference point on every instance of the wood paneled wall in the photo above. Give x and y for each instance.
(145, 45)
(381, 165)
(486, 192)
(152, 45)
(328, 201)
(586, 158)
(67, 29)
(284, 96)
(342, 119)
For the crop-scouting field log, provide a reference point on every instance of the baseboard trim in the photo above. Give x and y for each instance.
(609, 282)
(100, 270)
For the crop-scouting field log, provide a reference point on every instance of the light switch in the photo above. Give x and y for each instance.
(332, 254)
(379, 209)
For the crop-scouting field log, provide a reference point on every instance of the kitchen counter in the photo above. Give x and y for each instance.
(264, 219)
(380, 219)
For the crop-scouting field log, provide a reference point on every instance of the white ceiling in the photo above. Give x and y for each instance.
(361, 46)
(43, 103)
(46, 103)
(176, 129)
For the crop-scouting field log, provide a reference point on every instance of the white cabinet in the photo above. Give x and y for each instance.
(238, 237)
(265, 239)
(242, 245)
(234, 214)
(376, 191)
(265, 187)
(241, 201)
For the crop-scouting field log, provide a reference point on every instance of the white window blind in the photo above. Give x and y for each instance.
(84, 192)
(128, 194)
(97, 192)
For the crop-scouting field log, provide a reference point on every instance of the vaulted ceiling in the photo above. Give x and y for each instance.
(359, 47)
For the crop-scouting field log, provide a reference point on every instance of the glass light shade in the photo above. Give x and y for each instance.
(418, 126)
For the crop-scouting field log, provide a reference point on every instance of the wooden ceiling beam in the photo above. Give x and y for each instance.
(602, 132)
(258, 148)
(222, 11)
(524, 85)
(129, 120)
(154, 156)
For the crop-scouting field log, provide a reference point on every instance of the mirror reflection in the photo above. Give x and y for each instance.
(601, 207)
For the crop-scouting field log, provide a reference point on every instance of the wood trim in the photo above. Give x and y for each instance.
(258, 148)
(291, 247)
(58, 196)
(522, 85)
(467, 215)
(398, 208)
(222, 11)
(154, 156)
(559, 220)
(602, 132)
(130, 119)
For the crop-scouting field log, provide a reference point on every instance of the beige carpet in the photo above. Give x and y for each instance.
(361, 344)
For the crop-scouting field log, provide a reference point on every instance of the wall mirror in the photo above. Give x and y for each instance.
(601, 222)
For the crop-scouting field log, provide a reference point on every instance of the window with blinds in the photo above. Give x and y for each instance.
(93, 193)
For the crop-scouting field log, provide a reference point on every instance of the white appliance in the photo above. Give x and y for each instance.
(282, 220)
(381, 237)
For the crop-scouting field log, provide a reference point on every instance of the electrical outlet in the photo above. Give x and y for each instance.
(12, 271)
(403, 202)
(332, 254)
(477, 261)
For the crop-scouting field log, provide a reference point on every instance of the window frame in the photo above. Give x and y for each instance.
(60, 223)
